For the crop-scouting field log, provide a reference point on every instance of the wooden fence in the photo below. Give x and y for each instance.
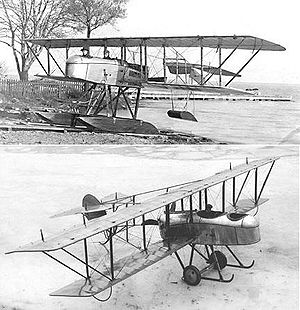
(41, 89)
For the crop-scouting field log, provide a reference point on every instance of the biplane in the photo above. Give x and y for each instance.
(134, 68)
(186, 217)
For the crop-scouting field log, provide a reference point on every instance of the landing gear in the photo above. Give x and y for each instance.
(216, 260)
(191, 275)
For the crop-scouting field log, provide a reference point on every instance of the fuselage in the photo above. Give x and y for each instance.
(213, 228)
(98, 70)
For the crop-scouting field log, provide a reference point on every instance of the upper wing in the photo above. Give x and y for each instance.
(230, 42)
(80, 232)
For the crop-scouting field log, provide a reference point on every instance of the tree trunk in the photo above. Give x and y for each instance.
(88, 31)
(23, 75)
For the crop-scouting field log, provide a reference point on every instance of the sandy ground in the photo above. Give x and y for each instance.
(242, 122)
(39, 181)
(43, 137)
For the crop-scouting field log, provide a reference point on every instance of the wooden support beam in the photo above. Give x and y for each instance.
(255, 184)
(233, 191)
(137, 103)
(164, 64)
(265, 181)
(133, 203)
(144, 233)
(111, 253)
(48, 62)
(127, 233)
(242, 187)
(223, 62)
(201, 60)
(145, 61)
(242, 68)
(205, 197)
(220, 66)
(200, 200)
(65, 265)
(36, 57)
(86, 258)
(125, 53)
(192, 254)
(191, 209)
(141, 62)
(223, 196)
(167, 211)
(67, 53)
(128, 105)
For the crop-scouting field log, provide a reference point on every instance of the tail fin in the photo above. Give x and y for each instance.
(90, 202)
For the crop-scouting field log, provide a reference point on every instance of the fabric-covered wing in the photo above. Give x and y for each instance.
(246, 205)
(230, 42)
(217, 90)
(80, 232)
(185, 68)
(123, 268)
(60, 78)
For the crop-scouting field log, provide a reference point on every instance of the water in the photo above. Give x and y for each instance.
(250, 122)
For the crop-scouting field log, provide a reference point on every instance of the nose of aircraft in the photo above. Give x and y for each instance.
(249, 221)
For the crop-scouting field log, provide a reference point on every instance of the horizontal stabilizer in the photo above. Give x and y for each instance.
(246, 205)
(123, 268)
(205, 89)
(68, 212)
(105, 203)
(188, 68)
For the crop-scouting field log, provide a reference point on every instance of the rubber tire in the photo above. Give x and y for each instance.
(191, 275)
(222, 260)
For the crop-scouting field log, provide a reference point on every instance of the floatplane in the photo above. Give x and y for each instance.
(133, 69)
(187, 216)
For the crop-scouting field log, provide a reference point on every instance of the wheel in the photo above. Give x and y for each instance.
(221, 258)
(191, 275)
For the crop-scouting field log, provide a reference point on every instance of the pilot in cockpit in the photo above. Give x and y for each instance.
(85, 52)
(208, 207)
(106, 54)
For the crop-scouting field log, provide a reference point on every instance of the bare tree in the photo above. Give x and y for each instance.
(88, 15)
(21, 20)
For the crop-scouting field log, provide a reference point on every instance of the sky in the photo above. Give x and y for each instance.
(276, 21)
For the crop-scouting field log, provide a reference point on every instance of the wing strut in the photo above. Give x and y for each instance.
(58, 66)
(65, 265)
(218, 68)
(36, 57)
(223, 196)
(111, 254)
(243, 67)
(241, 189)
(265, 181)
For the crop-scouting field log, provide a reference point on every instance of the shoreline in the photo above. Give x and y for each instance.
(47, 137)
